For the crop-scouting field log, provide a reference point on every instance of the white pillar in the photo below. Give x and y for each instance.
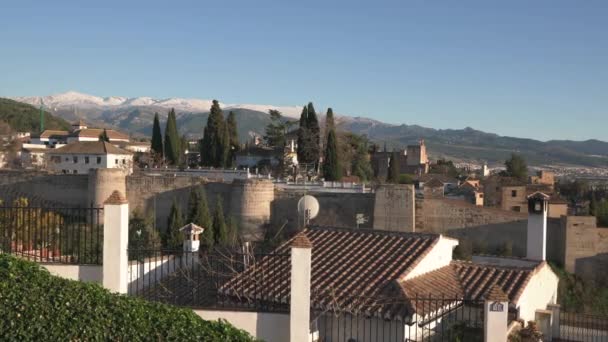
(555, 330)
(496, 309)
(536, 246)
(115, 242)
(299, 308)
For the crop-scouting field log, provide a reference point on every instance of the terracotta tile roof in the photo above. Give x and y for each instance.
(89, 147)
(96, 132)
(350, 268)
(49, 133)
(469, 280)
(427, 177)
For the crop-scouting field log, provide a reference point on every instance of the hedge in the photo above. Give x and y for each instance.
(35, 305)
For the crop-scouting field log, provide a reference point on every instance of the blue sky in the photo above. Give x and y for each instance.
(535, 69)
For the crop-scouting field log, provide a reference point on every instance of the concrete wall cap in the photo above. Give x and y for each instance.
(116, 198)
(301, 241)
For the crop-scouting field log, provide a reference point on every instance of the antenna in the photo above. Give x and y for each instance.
(308, 207)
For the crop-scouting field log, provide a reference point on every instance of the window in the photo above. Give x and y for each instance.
(98, 160)
(75, 159)
(516, 208)
(513, 193)
(116, 161)
(86, 159)
(67, 159)
(75, 171)
(124, 161)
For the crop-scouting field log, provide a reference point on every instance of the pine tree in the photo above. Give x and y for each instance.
(174, 238)
(393, 169)
(157, 138)
(276, 130)
(172, 139)
(332, 171)
(213, 145)
(220, 230)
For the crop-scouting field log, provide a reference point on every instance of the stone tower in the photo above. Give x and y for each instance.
(250, 203)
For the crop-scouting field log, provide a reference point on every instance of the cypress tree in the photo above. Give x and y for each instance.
(329, 120)
(233, 138)
(220, 230)
(233, 233)
(213, 146)
(157, 138)
(174, 238)
(393, 169)
(172, 139)
(308, 136)
(314, 132)
(303, 136)
(198, 213)
(332, 170)
(104, 136)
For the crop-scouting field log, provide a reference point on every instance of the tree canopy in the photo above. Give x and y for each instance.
(516, 167)
(309, 136)
(393, 169)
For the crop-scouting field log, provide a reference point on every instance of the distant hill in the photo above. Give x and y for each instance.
(472, 145)
(23, 117)
(135, 115)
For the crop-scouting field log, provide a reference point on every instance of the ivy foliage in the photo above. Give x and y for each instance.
(34, 306)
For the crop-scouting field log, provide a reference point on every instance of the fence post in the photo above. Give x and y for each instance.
(496, 319)
(299, 307)
(115, 242)
(555, 321)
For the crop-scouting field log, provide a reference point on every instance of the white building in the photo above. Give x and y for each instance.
(80, 157)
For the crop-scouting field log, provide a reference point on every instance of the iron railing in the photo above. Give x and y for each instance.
(395, 318)
(52, 234)
(575, 326)
(206, 279)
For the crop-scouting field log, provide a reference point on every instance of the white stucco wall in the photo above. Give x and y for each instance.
(439, 256)
(540, 292)
(67, 163)
(270, 327)
(91, 273)
(152, 270)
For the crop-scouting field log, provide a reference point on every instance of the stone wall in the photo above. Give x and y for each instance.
(150, 194)
(394, 208)
(441, 215)
(44, 187)
(336, 209)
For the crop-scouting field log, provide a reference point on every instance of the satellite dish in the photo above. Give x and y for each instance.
(308, 207)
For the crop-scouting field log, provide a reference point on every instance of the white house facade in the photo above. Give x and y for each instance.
(80, 157)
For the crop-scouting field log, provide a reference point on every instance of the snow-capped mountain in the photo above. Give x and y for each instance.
(73, 99)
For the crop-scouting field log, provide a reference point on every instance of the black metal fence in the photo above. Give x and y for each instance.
(205, 279)
(51, 234)
(397, 319)
(582, 327)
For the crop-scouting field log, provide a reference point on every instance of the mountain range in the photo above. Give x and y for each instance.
(135, 115)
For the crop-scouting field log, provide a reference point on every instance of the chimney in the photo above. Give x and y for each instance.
(537, 226)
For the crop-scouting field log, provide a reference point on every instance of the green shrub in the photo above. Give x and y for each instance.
(35, 305)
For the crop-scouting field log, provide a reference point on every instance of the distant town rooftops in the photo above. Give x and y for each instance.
(89, 147)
